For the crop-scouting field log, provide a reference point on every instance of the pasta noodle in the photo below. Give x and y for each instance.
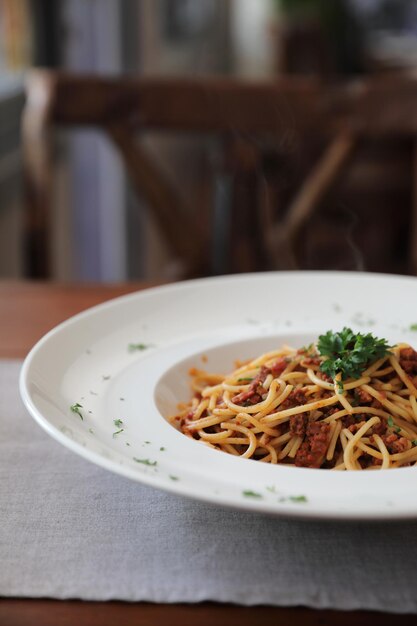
(283, 408)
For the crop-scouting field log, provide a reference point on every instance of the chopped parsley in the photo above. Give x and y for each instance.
(117, 423)
(133, 347)
(298, 498)
(348, 353)
(173, 477)
(244, 380)
(90, 430)
(93, 393)
(75, 408)
(390, 421)
(251, 494)
(127, 443)
(162, 449)
(414, 442)
(146, 462)
(413, 327)
(121, 399)
(107, 377)
(118, 432)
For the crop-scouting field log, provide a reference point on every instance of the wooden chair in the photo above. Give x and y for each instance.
(244, 116)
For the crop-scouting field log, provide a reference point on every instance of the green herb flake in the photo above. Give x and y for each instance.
(298, 499)
(173, 477)
(413, 327)
(117, 423)
(162, 449)
(147, 442)
(138, 347)
(90, 430)
(93, 393)
(146, 462)
(414, 442)
(340, 386)
(271, 489)
(244, 380)
(348, 353)
(75, 408)
(106, 377)
(251, 494)
(390, 421)
(121, 399)
(127, 443)
(118, 432)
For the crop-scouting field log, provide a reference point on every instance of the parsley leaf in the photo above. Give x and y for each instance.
(117, 423)
(349, 353)
(413, 327)
(145, 461)
(75, 408)
(118, 432)
(390, 421)
(298, 498)
(251, 494)
(133, 347)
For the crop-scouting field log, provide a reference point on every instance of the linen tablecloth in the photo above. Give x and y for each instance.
(69, 529)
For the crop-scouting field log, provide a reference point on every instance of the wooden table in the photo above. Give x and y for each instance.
(27, 311)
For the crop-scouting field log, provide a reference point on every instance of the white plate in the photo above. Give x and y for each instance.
(86, 360)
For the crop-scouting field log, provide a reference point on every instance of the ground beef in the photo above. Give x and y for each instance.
(323, 376)
(362, 396)
(278, 366)
(298, 425)
(312, 451)
(296, 398)
(312, 360)
(254, 394)
(395, 444)
(355, 427)
(381, 428)
(408, 361)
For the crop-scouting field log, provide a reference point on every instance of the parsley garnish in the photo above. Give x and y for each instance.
(244, 380)
(145, 461)
(162, 449)
(414, 442)
(106, 377)
(298, 498)
(75, 408)
(117, 422)
(413, 327)
(251, 494)
(390, 421)
(349, 353)
(118, 432)
(173, 477)
(132, 347)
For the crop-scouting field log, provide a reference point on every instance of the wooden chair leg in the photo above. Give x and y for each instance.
(37, 162)
(412, 256)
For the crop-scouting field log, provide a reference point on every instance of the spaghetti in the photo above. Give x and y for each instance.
(283, 408)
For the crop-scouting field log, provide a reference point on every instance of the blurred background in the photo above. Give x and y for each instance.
(319, 192)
